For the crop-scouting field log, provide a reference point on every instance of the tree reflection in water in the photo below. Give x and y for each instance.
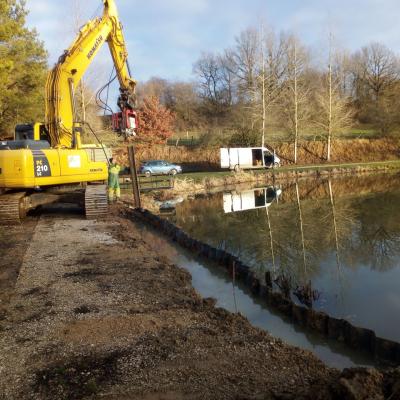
(321, 231)
(379, 235)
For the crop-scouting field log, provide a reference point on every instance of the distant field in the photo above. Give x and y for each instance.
(192, 138)
(360, 133)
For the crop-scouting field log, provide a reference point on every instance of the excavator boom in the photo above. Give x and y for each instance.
(61, 118)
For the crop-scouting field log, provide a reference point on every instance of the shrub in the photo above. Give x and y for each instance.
(245, 137)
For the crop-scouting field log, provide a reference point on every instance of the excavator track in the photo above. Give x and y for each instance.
(12, 209)
(96, 201)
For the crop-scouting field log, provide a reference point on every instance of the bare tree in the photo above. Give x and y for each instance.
(215, 86)
(154, 87)
(269, 79)
(379, 68)
(333, 113)
(295, 102)
(182, 99)
(208, 71)
(376, 74)
(262, 76)
(242, 60)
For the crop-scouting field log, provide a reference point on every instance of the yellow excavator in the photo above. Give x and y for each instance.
(46, 162)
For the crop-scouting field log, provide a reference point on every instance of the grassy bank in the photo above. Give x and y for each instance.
(301, 170)
(205, 182)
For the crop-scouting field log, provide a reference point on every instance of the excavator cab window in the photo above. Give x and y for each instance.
(31, 132)
(24, 132)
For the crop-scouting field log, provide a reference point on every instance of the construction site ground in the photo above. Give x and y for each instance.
(89, 311)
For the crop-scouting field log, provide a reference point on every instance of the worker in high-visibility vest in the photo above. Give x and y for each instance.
(114, 191)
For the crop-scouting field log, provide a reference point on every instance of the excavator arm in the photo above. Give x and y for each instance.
(61, 117)
(62, 168)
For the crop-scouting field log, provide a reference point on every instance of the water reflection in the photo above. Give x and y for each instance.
(250, 199)
(338, 237)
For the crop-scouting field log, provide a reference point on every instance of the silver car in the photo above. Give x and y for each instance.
(159, 167)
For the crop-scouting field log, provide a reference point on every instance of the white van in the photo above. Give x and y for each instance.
(237, 158)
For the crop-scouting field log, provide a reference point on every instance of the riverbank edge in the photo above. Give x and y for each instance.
(357, 338)
(332, 168)
(206, 182)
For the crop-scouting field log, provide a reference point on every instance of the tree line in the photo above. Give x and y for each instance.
(265, 83)
(270, 81)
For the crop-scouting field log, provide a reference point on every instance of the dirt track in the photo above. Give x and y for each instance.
(95, 314)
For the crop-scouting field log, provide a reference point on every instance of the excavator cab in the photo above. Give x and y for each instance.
(125, 122)
(37, 131)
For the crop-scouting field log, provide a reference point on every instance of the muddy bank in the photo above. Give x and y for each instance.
(96, 314)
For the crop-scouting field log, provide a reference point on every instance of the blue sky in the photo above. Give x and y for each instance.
(165, 37)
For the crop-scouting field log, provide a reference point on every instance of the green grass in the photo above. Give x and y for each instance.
(183, 141)
(361, 133)
(274, 134)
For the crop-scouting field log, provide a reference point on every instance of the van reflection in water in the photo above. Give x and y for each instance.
(250, 199)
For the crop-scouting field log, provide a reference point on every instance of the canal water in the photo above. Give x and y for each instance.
(341, 237)
(338, 239)
(213, 281)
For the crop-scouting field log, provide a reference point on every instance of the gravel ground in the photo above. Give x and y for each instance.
(14, 242)
(95, 314)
